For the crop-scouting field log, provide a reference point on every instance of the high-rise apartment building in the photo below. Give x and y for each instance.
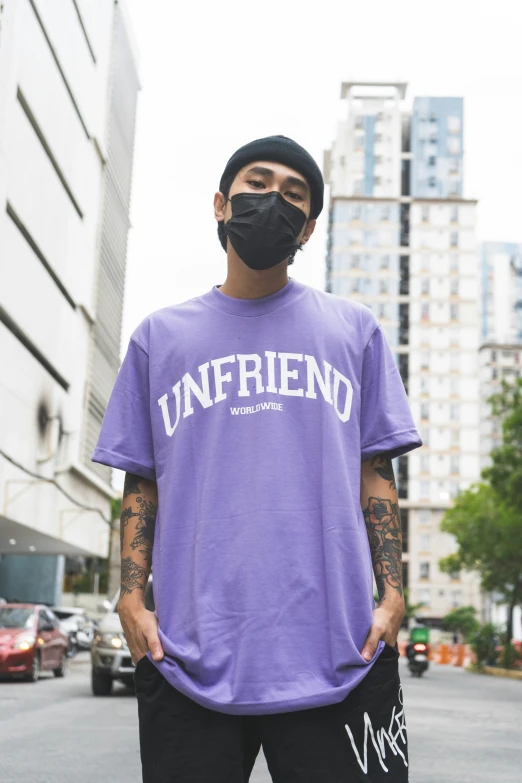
(68, 94)
(501, 332)
(406, 248)
(501, 291)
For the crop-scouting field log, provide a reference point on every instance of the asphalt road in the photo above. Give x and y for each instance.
(462, 728)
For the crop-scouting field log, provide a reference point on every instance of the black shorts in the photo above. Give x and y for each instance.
(362, 738)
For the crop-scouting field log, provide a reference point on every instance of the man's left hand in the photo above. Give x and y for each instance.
(387, 619)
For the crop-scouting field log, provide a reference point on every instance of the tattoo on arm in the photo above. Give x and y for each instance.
(144, 536)
(133, 576)
(382, 465)
(384, 533)
(131, 485)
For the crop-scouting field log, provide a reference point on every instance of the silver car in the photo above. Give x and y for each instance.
(110, 655)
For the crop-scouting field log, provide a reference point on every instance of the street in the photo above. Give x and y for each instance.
(462, 728)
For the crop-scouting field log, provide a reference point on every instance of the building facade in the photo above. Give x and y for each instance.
(68, 94)
(501, 291)
(407, 250)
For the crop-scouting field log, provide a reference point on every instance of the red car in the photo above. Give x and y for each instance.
(31, 641)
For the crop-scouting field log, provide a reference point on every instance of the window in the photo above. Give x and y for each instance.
(432, 182)
(382, 311)
(454, 263)
(424, 385)
(454, 412)
(454, 489)
(425, 360)
(425, 490)
(425, 542)
(425, 213)
(425, 463)
(424, 597)
(424, 570)
(454, 574)
(356, 285)
(454, 239)
(385, 213)
(432, 160)
(425, 285)
(455, 438)
(454, 286)
(454, 312)
(378, 137)
(453, 124)
(455, 599)
(383, 286)
(358, 187)
(425, 516)
(454, 214)
(454, 386)
(359, 121)
(453, 146)
(385, 262)
(424, 410)
(356, 261)
(425, 435)
(356, 212)
(454, 463)
(425, 311)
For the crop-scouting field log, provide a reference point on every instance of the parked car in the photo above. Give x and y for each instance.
(110, 655)
(31, 641)
(78, 626)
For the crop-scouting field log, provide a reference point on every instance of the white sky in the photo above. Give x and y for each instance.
(216, 75)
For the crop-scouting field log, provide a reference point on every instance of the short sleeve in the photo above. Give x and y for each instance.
(386, 420)
(125, 439)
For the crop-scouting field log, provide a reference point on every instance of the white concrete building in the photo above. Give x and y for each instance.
(68, 93)
(413, 260)
(443, 390)
(501, 291)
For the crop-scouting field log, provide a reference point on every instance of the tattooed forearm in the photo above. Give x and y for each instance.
(382, 465)
(133, 576)
(384, 533)
(137, 525)
(144, 537)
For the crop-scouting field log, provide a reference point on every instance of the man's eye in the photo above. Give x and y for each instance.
(296, 196)
(256, 183)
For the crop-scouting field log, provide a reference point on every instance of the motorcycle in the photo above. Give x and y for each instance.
(417, 655)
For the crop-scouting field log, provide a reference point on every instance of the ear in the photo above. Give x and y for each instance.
(309, 230)
(219, 206)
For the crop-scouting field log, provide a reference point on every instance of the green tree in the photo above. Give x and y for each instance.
(486, 519)
(115, 510)
(462, 620)
(484, 643)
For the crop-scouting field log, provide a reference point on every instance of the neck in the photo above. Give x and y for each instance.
(245, 283)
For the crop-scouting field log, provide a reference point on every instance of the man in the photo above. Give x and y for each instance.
(257, 424)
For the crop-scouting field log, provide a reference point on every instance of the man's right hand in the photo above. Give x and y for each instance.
(140, 628)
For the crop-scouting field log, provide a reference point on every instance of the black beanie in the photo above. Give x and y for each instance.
(279, 149)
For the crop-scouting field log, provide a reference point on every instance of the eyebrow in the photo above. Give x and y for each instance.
(269, 173)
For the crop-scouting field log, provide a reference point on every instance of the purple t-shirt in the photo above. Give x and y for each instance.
(253, 416)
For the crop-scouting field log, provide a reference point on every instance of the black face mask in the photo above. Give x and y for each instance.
(263, 228)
